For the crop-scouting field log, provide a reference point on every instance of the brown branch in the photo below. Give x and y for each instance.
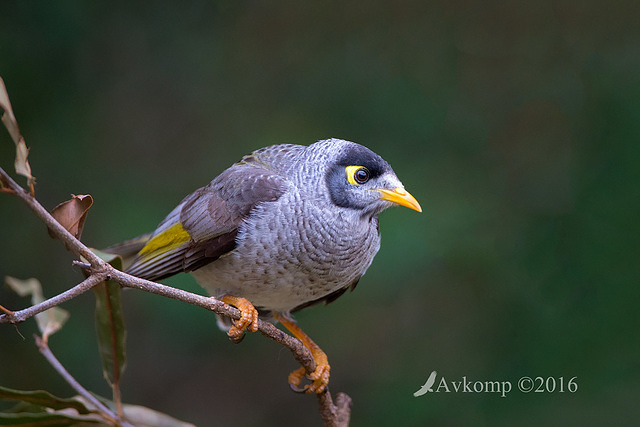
(107, 413)
(337, 415)
(299, 351)
(82, 287)
(333, 415)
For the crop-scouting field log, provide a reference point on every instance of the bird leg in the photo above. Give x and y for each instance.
(320, 377)
(248, 317)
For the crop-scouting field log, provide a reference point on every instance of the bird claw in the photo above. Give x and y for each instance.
(319, 377)
(295, 378)
(248, 318)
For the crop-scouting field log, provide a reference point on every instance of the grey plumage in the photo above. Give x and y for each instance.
(285, 227)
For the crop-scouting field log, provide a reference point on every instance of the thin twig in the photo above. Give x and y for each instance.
(22, 315)
(112, 417)
(81, 264)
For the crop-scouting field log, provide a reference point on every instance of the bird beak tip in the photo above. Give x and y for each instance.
(401, 197)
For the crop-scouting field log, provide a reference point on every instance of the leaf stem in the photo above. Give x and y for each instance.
(7, 311)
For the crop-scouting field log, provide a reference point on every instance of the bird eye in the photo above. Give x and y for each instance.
(357, 174)
(361, 176)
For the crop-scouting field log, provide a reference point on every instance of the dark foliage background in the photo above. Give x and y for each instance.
(514, 123)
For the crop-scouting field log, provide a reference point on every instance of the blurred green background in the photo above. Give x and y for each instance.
(515, 124)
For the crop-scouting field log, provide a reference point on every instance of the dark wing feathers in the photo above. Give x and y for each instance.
(200, 254)
(204, 225)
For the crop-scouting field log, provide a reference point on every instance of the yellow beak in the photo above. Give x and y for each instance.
(400, 196)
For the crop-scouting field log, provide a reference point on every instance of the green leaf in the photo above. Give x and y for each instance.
(113, 259)
(40, 407)
(48, 419)
(49, 321)
(110, 325)
(44, 399)
(110, 329)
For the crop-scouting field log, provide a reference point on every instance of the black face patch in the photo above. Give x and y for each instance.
(356, 155)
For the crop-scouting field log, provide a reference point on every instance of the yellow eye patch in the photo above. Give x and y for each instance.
(357, 175)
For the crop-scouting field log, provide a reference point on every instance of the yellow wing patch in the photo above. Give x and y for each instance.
(169, 239)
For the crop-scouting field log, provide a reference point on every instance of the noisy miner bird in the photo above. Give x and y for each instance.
(286, 227)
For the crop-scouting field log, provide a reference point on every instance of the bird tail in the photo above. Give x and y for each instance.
(129, 249)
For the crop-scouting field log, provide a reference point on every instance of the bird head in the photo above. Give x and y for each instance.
(357, 178)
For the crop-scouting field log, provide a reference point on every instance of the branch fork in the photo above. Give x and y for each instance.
(100, 271)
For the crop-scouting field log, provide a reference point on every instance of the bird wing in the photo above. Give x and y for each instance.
(204, 225)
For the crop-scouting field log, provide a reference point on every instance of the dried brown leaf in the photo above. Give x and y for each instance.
(8, 118)
(145, 417)
(21, 164)
(72, 213)
(22, 152)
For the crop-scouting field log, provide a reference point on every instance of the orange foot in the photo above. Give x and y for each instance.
(320, 377)
(248, 317)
